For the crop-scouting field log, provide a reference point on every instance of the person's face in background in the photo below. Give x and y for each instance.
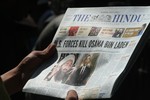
(66, 66)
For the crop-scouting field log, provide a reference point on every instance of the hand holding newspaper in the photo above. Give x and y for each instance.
(95, 46)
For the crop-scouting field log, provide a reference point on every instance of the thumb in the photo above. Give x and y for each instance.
(72, 95)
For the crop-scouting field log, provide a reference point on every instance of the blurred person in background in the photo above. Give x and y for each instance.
(51, 23)
(17, 29)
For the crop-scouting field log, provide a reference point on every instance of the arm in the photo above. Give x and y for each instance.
(15, 79)
(3, 93)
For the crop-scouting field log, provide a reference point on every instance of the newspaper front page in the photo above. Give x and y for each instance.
(94, 46)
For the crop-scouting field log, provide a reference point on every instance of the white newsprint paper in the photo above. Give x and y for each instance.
(94, 47)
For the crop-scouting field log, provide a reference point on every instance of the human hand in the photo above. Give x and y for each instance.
(15, 79)
(33, 60)
(72, 95)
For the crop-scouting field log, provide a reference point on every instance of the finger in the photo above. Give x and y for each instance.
(47, 52)
(44, 54)
(72, 95)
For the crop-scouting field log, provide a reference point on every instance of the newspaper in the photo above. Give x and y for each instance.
(94, 46)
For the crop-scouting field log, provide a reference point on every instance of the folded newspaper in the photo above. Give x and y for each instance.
(96, 48)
